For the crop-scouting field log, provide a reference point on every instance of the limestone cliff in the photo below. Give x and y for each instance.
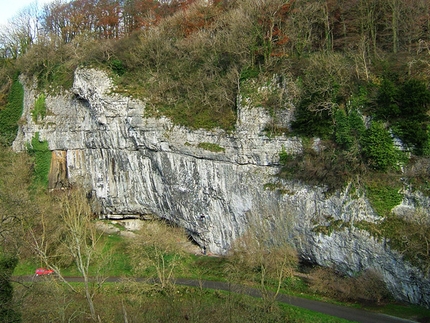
(139, 165)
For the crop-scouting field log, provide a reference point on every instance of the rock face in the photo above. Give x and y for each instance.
(138, 166)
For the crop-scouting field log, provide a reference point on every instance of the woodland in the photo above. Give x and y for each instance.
(356, 73)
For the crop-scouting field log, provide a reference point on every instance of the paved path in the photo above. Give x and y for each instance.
(348, 313)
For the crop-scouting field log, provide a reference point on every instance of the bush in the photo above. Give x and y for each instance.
(311, 124)
(378, 148)
(365, 286)
(330, 167)
(414, 99)
(343, 136)
(387, 100)
(405, 106)
(118, 67)
(8, 314)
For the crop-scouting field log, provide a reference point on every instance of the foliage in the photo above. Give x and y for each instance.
(405, 106)
(118, 67)
(417, 172)
(80, 237)
(349, 129)
(310, 124)
(378, 149)
(51, 63)
(158, 257)
(248, 72)
(42, 160)
(384, 193)
(414, 99)
(410, 236)
(10, 114)
(39, 110)
(264, 256)
(329, 167)
(16, 207)
(8, 312)
(388, 95)
(326, 82)
(284, 157)
(365, 286)
(343, 135)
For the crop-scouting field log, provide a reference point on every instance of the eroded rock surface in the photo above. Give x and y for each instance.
(138, 165)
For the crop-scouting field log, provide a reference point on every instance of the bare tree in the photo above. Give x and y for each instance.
(15, 200)
(157, 248)
(326, 81)
(81, 237)
(69, 235)
(265, 255)
(20, 33)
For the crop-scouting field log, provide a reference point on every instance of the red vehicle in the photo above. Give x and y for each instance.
(43, 272)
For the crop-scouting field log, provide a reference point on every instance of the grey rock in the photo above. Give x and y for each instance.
(143, 166)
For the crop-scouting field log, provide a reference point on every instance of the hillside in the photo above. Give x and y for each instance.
(308, 115)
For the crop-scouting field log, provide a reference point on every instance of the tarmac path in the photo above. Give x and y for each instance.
(348, 313)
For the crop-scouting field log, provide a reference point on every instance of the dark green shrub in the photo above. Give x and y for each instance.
(356, 124)
(414, 99)
(118, 67)
(311, 124)
(378, 149)
(249, 73)
(342, 133)
(8, 314)
(413, 133)
(387, 101)
(405, 106)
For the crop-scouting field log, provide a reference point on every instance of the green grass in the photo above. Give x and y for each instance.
(203, 267)
(114, 247)
(211, 147)
(26, 267)
(403, 310)
(304, 315)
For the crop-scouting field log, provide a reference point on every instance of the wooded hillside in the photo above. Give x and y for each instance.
(338, 62)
